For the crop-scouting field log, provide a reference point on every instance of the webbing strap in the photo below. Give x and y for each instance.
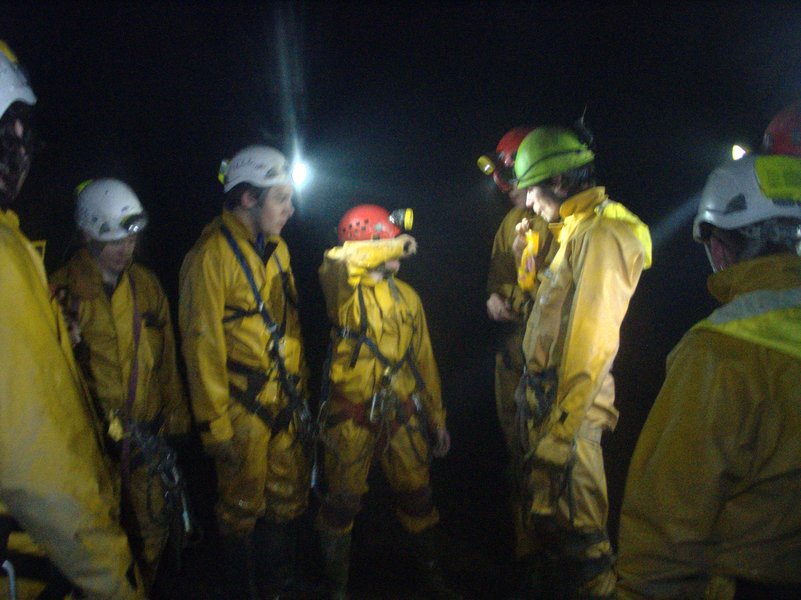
(238, 313)
(276, 333)
(363, 338)
(271, 325)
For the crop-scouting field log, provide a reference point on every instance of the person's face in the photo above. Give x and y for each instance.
(114, 257)
(541, 200)
(275, 211)
(17, 158)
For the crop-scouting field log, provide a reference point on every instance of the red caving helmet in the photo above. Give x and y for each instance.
(783, 135)
(501, 166)
(373, 222)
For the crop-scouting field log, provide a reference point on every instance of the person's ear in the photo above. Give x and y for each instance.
(558, 188)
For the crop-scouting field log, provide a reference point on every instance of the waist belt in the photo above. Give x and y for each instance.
(359, 412)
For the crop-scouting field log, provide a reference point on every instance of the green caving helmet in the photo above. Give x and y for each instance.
(549, 151)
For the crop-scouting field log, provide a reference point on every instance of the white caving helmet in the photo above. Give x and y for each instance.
(260, 166)
(759, 196)
(14, 86)
(108, 210)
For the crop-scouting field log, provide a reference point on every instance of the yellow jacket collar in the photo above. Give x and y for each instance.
(239, 229)
(774, 272)
(575, 209)
(9, 218)
(85, 275)
(582, 203)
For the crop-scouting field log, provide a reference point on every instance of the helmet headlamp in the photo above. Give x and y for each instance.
(134, 223)
(402, 218)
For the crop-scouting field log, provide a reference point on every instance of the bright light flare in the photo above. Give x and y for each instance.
(737, 151)
(300, 173)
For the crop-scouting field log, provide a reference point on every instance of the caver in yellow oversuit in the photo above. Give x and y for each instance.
(384, 402)
(53, 479)
(245, 366)
(713, 490)
(502, 280)
(158, 407)
(508, 303)
(566, 397)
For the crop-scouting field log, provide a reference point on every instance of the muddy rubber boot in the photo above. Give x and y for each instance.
(239, 582)
(276, 553)
(274, 546)
(432, 580)
(336, 563)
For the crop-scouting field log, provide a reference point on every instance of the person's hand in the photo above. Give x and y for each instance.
(499, 309)
(443, 443)
(520, 238)
(225, 453)
(409, 244)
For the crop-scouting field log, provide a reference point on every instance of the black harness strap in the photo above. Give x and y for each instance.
(247, 397)
(234, 314)
(296, 402)
(361, 338)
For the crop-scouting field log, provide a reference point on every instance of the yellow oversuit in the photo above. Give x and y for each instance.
(571, 339)
(229, 357)
(509, 363)
(714, 487)
(157, 406)
(53, 476)
(388, 312)
(502, 280)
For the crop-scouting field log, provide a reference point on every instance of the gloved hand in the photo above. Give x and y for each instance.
(226, 453)
(554, 452)
(409, 244)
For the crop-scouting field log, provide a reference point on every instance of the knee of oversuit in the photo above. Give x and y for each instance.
(337, 512)
(415, 510)
(235, 520)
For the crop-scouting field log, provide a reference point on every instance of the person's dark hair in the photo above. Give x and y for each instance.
(576, 180)
(233, 197)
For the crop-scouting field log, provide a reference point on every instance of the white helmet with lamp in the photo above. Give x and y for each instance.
(758, 196)
(260, 166)
(108, 210)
